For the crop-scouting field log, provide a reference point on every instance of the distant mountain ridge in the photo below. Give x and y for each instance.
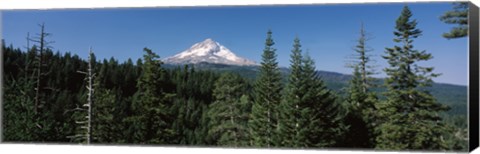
(208, 51)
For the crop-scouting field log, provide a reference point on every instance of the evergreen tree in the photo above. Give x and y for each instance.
(151, 120)
(28, 68)
(411, 112)
(323, 121)
(18, 118)
(105, 126)
(193, 95)
(227, 117)
(360, 99)
(458, 16)
(106, 123)
(19, 122)
(293, 112)
(267, 89)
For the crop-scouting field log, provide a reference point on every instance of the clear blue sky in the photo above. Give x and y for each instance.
(328, 32)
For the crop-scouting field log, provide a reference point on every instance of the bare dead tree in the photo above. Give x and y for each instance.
(43, 45)
(28, 41)
(363, 59)
(86, 124)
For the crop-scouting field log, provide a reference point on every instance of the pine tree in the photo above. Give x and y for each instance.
(458, 16)
(267, 90)
(105, 127)
(411, 112)
(227, 119)
(360, 99)
(151, 120)
(293, 112)
(19, 122)
(323, 123)
(18, 118)
(106, 124)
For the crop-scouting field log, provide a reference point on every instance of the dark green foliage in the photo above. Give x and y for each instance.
(457, 138)
(107, 121)
(193, 88)
(459, 17)
(18, 104)
(267, 89)
(83, 114)
(292, 110)
(193, 91)
(360, 98)
(325, 119)
(105, 126)
(309, 114)
(49, 125)
(361, 115)
(227, 114)
(410, 116)
(151, 120)
(146, 102)
(454, 96)
(19, 122)
(115, 87)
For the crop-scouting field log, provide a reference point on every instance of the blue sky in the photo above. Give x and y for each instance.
(328, 32)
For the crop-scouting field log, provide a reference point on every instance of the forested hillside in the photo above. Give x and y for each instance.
(52, 97)
(454, 96)
(116, 91)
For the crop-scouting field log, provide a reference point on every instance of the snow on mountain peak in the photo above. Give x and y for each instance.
(208, 51)
(205, 47)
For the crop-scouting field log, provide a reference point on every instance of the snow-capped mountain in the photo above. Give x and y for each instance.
(208, 51)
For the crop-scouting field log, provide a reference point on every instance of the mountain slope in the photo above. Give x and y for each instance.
(208, 51)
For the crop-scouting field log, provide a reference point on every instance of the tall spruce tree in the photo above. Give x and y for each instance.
(411, 113)
(360, 99)
(458, 16)
(323, 121)
(106, 124)
(227, 119)
(309, 114)
(151, 121)
(292, 110)
(267, 89)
